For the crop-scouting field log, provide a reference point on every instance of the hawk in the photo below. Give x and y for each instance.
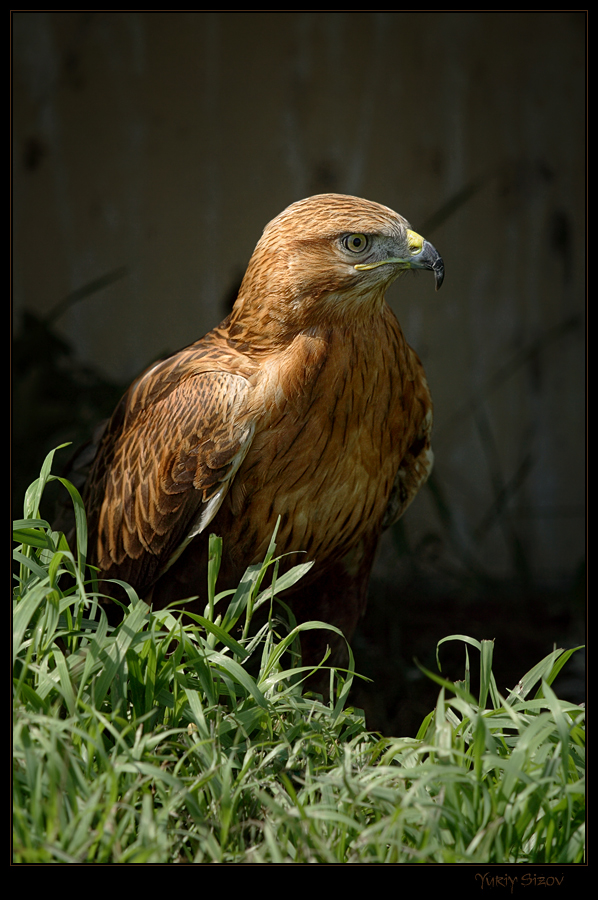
(305, 403)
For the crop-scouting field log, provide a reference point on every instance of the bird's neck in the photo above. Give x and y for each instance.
(275, 323)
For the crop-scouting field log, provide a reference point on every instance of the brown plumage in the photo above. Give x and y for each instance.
(305, 403)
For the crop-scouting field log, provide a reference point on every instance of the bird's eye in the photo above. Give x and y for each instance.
(355, 242)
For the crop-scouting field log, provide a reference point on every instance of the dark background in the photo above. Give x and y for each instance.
(150, 149)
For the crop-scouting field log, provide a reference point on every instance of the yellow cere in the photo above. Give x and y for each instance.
(415, 241)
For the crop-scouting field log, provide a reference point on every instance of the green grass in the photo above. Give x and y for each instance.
(167, 741)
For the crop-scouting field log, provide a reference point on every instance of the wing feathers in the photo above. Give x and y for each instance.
(172, 461)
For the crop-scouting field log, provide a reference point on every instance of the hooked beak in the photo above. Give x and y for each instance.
(422, 256)
(429, 258)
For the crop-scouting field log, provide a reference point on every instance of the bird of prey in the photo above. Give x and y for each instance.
(305, 403)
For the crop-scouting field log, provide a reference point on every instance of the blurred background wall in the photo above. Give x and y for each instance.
(151, 148)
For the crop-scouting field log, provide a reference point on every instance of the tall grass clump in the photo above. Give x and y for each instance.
(168, 739)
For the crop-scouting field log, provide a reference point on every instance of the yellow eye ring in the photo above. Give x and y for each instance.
(356, 243)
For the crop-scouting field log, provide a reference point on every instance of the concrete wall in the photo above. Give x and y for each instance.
(164, 142)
